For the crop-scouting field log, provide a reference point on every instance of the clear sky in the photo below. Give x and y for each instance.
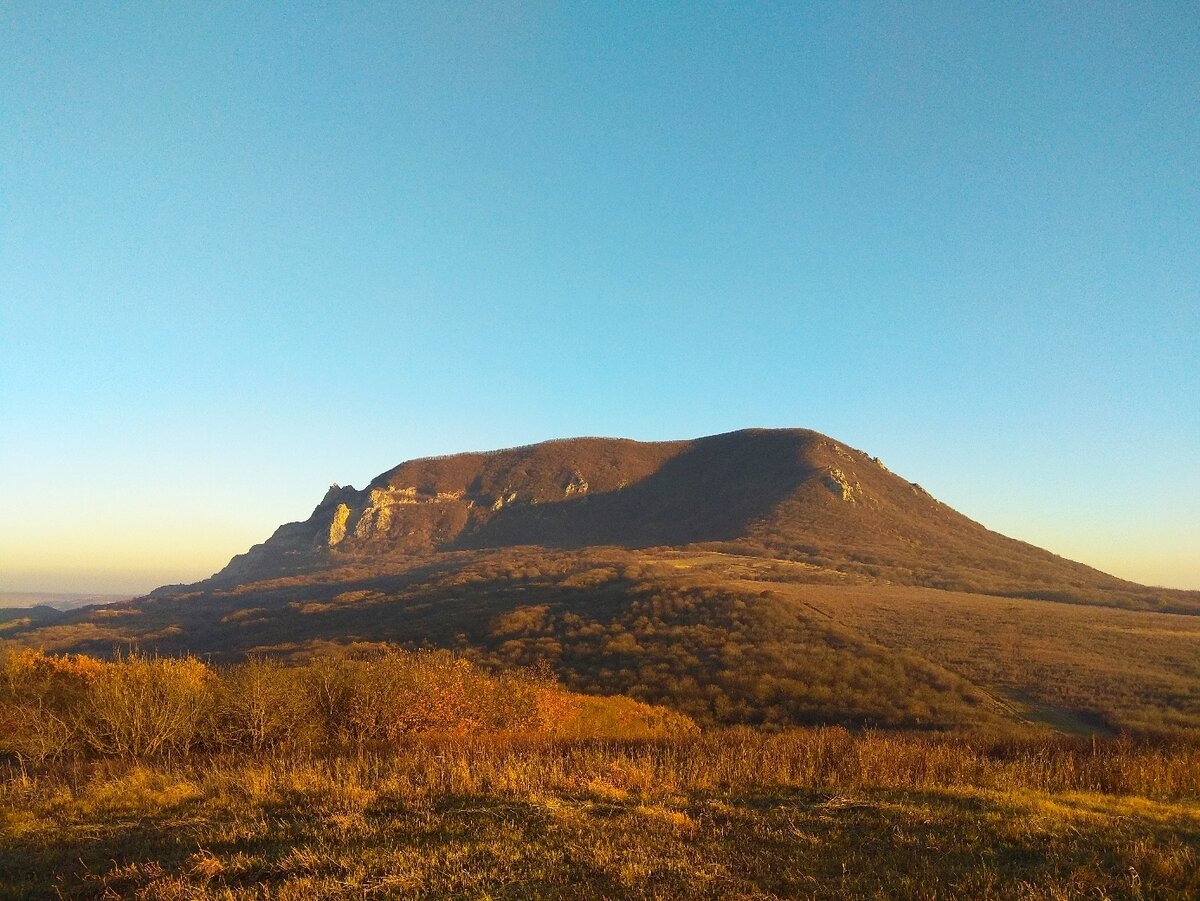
(247, 250)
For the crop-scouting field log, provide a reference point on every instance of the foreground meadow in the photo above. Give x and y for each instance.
(421, 776)
(817, 813)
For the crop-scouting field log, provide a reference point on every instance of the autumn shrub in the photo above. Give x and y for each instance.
(140, 706)
(143, 706)
(263, 704)
(580, 716)
(390, 696)
(135, 706)
(40, 697)
(396, 694)
(382, 698)
(329, 684)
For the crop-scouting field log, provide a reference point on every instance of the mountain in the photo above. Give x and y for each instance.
(789, 494)
(767, 577)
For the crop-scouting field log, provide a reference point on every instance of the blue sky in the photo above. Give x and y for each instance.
(248, 250)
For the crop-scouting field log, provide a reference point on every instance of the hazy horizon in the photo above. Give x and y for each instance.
(247, 252)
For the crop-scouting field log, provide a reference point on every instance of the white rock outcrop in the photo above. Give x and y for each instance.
(842, 485)
(337, 525)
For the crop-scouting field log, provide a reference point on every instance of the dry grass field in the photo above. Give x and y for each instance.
(809, 814)
(1075, 668)
(399, 775)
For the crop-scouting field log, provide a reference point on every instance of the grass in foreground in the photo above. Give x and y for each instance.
(813, 813)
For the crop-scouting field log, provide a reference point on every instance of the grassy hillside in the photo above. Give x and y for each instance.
(808, 814)
(723, 638)
(1072, 667)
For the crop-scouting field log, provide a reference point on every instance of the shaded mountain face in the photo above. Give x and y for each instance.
(787, 494)
(563, 494)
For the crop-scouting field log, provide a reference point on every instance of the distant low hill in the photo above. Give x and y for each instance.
(24, 616)
(764, 577)
(56, 599)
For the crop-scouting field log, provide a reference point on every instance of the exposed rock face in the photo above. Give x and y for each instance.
(841, 485)
(376, 516)
(337, 525)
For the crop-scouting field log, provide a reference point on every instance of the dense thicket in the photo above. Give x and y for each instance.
(140, 706)
(733, 657)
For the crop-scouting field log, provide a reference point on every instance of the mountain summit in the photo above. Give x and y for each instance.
(789, 494)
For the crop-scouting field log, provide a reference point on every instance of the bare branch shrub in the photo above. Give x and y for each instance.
(39, 696)
(143, 706)
(263, 704)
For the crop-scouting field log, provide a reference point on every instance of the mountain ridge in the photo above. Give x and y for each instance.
(792, 494)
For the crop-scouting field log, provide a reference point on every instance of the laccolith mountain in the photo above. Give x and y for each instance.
(763, 576)
(789, 494)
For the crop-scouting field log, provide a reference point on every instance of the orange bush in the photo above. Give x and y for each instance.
(39, 697)
(140, 706)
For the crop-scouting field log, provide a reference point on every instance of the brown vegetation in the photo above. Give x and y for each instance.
(1075, 668)
(394, 774)
(805, 813)
(724, 639)
(143, 707)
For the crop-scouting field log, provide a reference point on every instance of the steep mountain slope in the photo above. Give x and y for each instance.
(790, 494)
